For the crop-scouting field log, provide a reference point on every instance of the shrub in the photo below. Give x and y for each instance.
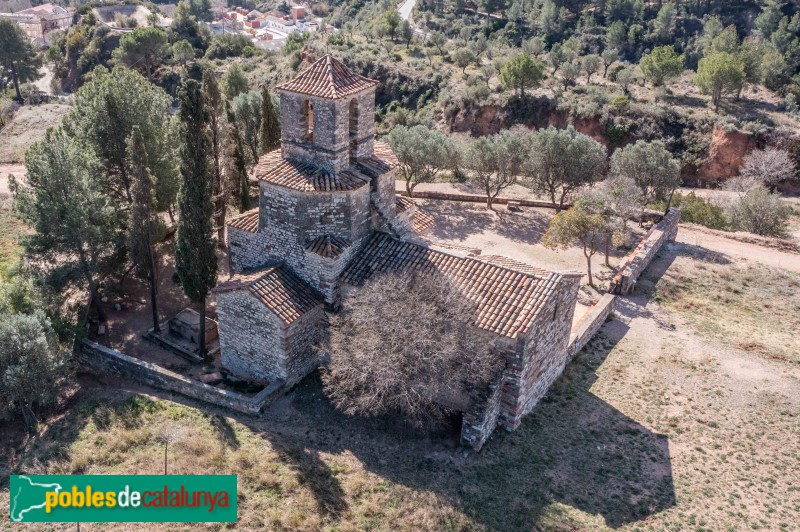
(697, 210)
(761, 212)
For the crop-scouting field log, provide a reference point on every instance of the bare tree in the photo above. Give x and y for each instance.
(416, 353)
(768, 167)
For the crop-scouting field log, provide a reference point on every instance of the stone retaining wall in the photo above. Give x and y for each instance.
(589, 324)
(477, 198)
(101, 360)
(629, 271)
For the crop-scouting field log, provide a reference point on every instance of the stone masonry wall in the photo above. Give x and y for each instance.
(330, 146)
(480, 421)
(664, 231)
(301, 357)
(541, 355)
(101, 360)
(250, 336)
(589, 324)
(246, 250)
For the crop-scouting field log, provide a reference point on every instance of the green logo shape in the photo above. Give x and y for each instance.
(123, 498)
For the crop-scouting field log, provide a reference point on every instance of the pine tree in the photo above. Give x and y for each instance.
(270, 124)
(238, 161)
(195, 259)
(143, 221)
(17, 55)
(213, 100)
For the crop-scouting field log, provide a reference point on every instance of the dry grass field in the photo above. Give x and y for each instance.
(28, 126)
(657, 425)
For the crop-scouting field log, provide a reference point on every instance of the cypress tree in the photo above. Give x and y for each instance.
(270, 124)
(213, 100)
(195, 258)
(238, 160)
(143, 222)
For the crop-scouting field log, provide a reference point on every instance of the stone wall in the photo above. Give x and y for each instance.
(589, 324)
(300, 356)
(246, 250)
(256, 344)
(478, 198)
(330, 145)
(101, 360)
(632, 267)
(480, 421)
(540, 355)
(250, 337)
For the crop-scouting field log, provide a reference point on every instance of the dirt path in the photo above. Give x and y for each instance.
(739, 251)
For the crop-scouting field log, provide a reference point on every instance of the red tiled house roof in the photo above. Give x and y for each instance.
(507, 300)
(328, 78)
(280, 290)
(308, 177)
(247, 221)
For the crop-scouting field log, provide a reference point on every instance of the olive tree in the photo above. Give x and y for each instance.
(423, 153)
(381, 365)
(32, 366)
(496, 162)
(651, 167)
(561, 161)
(579, 226)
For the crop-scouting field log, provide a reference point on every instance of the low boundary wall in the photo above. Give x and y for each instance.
(102, 360)
(477, 198)
(589, 324)
(632, 267)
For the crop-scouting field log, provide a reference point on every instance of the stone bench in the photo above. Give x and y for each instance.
(512, 205)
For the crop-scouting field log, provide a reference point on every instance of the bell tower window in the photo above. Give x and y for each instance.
(308, 120)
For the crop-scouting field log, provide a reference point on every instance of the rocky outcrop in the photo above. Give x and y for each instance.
(725, 154)
(490, 119)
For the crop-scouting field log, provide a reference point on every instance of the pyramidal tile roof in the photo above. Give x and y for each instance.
(506, 300)
(306, 176)
(280, 290)
(328, 78)
(329, 247)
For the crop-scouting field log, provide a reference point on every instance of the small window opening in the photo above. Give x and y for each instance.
(308, 119)
(353, 130)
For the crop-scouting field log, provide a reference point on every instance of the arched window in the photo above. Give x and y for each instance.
(353, 129)
(308, 119)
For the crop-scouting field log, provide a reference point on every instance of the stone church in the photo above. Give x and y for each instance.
(328, 217)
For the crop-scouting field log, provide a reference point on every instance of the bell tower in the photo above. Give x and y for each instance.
(328, 115)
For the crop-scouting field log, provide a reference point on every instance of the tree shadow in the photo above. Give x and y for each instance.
(314, 473)
(227, 436)
(574, 449)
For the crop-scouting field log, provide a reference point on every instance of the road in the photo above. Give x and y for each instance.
(406, 8)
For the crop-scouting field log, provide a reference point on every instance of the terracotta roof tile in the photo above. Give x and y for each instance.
(328, 78)
(422, 222)
(281, 291)
(512, 264)
(247, 221)
(329, 247)
(507, 300)
(309, 177)
(403, 203)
